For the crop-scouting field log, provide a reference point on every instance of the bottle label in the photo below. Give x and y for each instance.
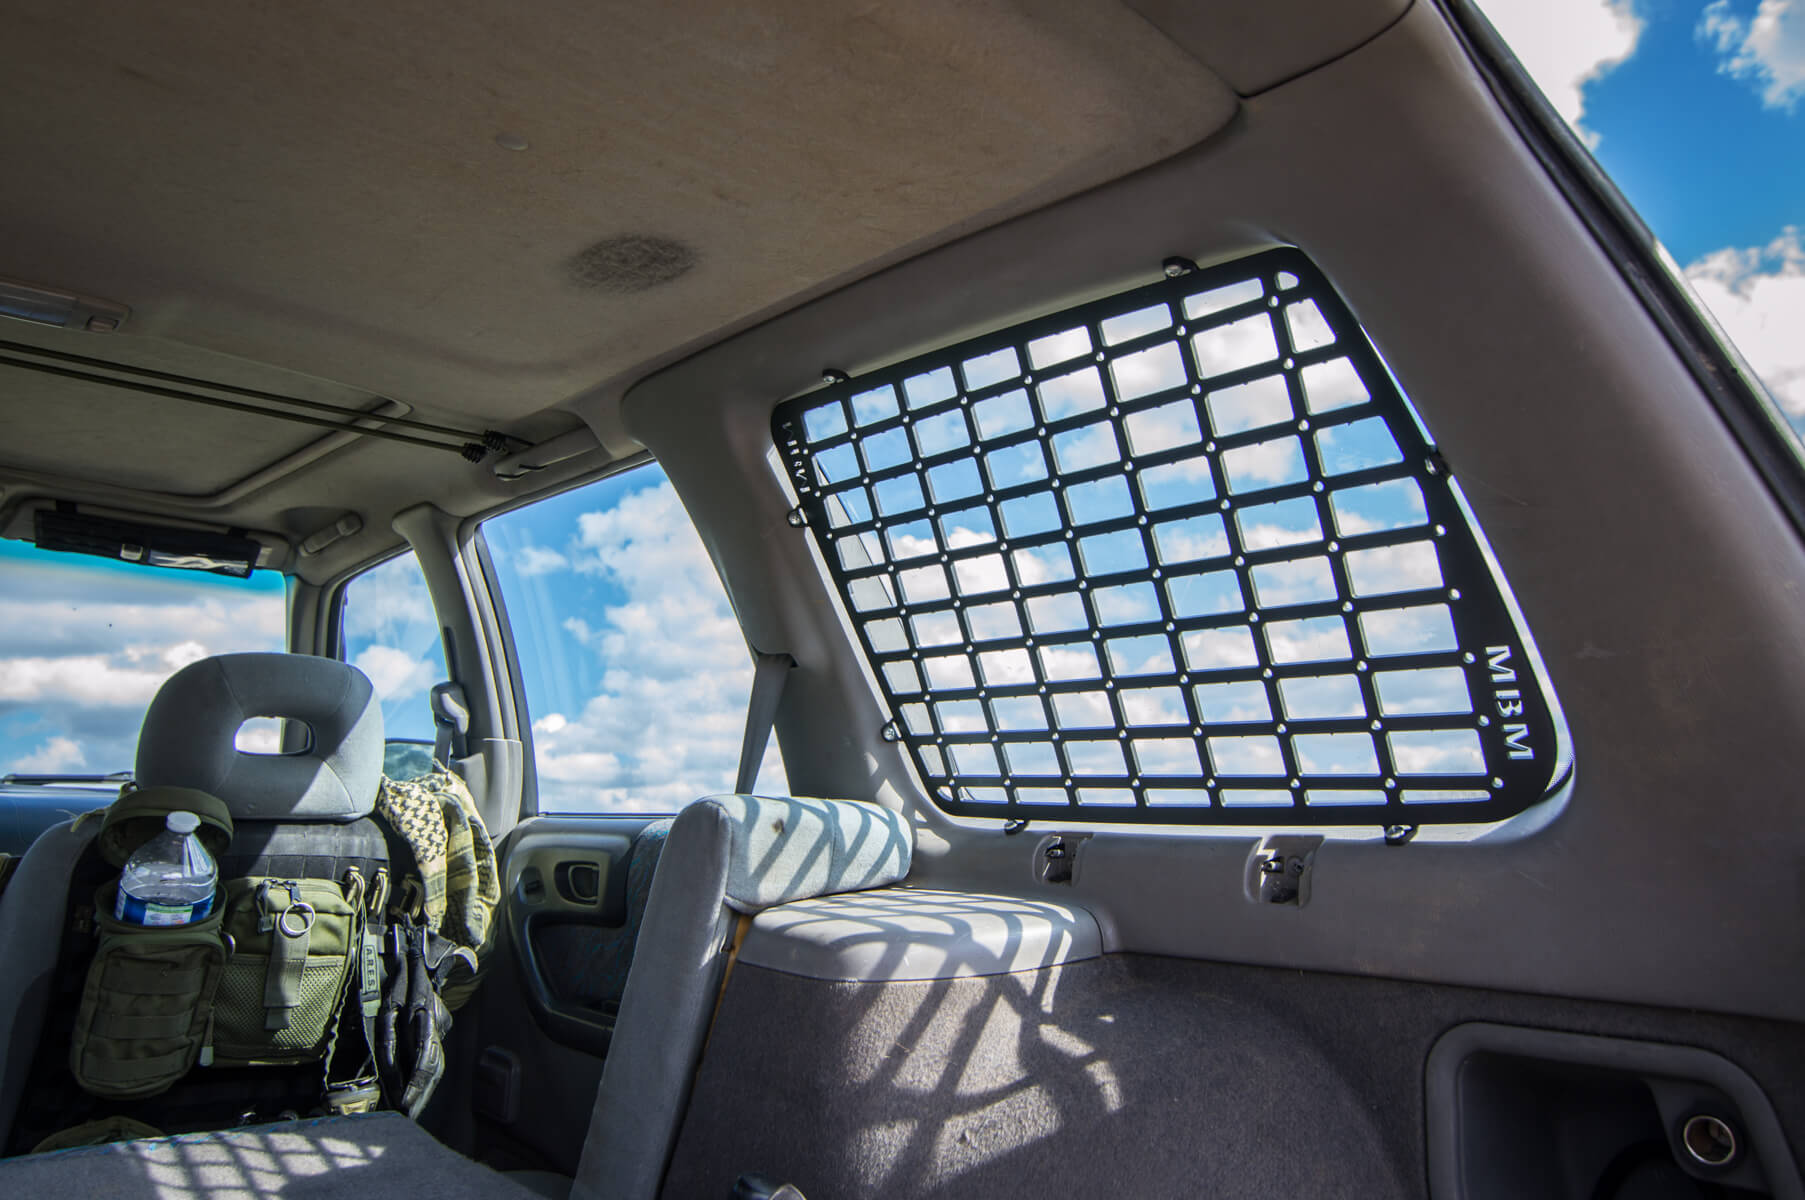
(139, 912)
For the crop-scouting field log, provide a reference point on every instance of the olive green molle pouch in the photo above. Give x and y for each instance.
(145, 1007)
(146, 1004)
(294, 944)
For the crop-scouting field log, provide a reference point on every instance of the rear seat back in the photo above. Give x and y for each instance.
(726, 855)
(914, 1042)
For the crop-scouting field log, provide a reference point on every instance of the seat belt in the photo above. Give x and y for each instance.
(768, 677)
(451, 723)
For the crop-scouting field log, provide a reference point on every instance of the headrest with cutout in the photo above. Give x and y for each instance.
(190, 729)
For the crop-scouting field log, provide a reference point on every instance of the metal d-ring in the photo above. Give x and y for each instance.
(306, 911)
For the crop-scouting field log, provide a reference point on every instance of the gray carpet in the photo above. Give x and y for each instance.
(1122, 1076)
(378, 1155)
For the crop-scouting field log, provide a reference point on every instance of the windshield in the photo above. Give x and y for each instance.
(1697, 112)
(85, 643)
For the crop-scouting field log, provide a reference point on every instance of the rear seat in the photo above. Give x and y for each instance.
(903, 1042)
(907, 933)
(727, 855)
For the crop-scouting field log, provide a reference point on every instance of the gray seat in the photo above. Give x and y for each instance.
(375, 1154)
(188, 741)
(726, 855)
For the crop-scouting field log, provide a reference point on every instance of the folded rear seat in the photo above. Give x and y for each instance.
(906, 1042)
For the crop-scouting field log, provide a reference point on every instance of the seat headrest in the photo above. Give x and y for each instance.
(784, 848)
(190, 727)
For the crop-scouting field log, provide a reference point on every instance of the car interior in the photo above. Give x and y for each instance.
(1268, 600)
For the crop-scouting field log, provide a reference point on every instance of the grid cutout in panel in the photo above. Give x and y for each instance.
(1183, 555)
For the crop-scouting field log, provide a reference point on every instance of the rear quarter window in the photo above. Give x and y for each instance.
(1181, 556)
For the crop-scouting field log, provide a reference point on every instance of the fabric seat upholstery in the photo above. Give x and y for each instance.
(374, 1154)
(725, 855)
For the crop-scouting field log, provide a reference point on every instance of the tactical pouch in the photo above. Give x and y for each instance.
(144, 1011)
(294, 943)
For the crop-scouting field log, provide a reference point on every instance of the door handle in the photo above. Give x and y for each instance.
(578, 882)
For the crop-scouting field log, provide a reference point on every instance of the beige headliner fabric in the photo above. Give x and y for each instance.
(52, 422)
(320, 187)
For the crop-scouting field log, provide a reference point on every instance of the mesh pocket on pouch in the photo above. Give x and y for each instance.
(242, 1035)
(246, 1029)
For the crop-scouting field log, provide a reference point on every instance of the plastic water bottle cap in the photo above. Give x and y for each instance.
(181, 822)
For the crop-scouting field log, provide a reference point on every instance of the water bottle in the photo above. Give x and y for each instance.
(171, 879)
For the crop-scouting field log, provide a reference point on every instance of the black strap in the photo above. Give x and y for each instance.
(768, 678)
(311, 850)
(357, 1089)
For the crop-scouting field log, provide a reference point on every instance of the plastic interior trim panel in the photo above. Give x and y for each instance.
(1183, 555)
(1677, 1070)
(537, 862)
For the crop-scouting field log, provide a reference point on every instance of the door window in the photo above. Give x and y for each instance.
(635, 669)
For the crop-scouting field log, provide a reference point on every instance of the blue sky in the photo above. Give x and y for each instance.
(1706, 162)
(1697, 110)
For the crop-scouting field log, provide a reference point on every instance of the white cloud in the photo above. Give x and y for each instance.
(394, 672)
(1767, 49)
(82, 653)
(1758, 295)
(539, 560)
(1567, 44)
(89, 622)
(388, 597)
(259, 735)
(57, 755)
(665, 724)
(392, 635)
(89, 680)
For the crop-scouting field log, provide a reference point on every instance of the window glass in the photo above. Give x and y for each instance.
(1235, 584)
(1697, 112)
(85, 643)
(635, 669)
(392, 636)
